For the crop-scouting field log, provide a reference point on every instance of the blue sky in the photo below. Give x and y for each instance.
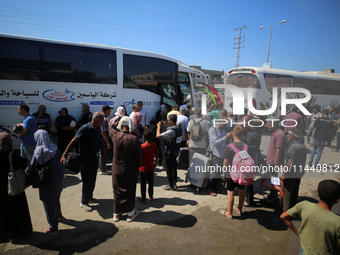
(195, 32)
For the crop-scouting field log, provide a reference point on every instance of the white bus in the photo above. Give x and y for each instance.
(62, 74)
(323, 86)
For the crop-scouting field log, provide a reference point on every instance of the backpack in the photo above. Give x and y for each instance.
(242, 170)
(196, 132)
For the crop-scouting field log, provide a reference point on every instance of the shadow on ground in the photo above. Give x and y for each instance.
(84, 236)
(70, 179)
(165, 218)
(161, 202)
(104, 208)
(267, 219)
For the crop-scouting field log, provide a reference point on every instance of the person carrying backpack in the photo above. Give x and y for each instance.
(173, 138)
(198, 134)
(230, 158)
(219, 138)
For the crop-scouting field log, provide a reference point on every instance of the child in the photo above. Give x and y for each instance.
(150, 157)
(18, 128)
(320, 228)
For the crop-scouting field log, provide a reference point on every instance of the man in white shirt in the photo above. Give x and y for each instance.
(181, 118)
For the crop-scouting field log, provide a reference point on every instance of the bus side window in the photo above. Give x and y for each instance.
(318, 86)
(64, 63)
(277, 81)
(19, 61)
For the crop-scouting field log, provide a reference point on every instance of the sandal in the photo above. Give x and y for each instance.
(238, 211)
(221, 211)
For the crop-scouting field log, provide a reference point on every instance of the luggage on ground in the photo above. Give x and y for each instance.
(183, 156)
(198, 172)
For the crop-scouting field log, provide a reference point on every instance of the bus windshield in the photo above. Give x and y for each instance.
(244, 80)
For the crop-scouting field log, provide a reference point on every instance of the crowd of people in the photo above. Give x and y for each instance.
(136, 146)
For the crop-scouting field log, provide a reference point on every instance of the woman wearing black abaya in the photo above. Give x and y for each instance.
(65, 129)
(15, 220)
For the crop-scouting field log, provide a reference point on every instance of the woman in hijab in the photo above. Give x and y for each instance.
(120, 113)
(137, 119)
(65, 129)
(15, 220)
(46, 151)
(86, 116)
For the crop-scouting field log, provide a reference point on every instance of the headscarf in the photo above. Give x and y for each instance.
(45, 149)
(120, 113)
(126, 114)
(64, 121)
(85, 112)
(64, 109)
(6, 144)
(135, 121)
(86, 107)
(126, 121)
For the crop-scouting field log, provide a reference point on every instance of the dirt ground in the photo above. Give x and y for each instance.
(185, 221)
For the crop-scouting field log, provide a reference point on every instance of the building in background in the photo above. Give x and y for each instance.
(214, 76)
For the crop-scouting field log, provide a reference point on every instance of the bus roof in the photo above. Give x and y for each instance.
(286, 72)
(182, 66)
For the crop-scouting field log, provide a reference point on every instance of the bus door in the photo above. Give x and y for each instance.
(168, 92)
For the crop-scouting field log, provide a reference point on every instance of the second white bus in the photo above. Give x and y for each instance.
(323, 86)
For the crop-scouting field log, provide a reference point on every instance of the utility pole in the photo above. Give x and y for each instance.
(238, 43)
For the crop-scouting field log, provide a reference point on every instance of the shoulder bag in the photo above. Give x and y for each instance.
(16, 179)
(73, 161)
(40, 175)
